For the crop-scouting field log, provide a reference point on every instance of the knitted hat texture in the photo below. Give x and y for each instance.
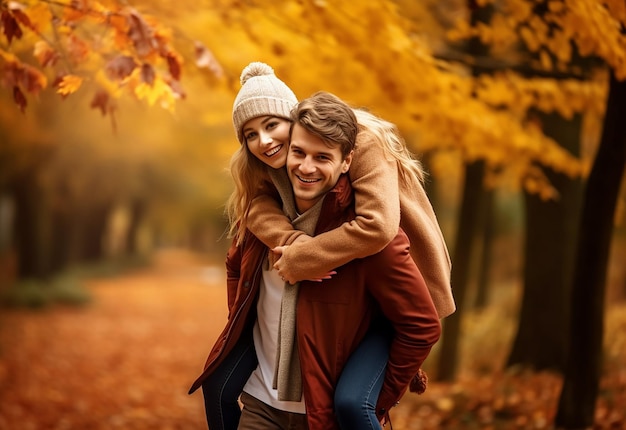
(262, 93)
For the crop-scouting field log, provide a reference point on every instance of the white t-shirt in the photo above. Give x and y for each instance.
(265, 335)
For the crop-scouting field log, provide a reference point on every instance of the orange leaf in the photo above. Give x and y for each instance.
(78, 49)
(45, 54)
(119, 22)
(39, 16)
(69, 84)
(75, 11)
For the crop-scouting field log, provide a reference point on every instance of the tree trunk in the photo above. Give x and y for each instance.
(551, 231)
(483, 284)
(63, 244)
(583, 370)
(466, 233)
(137, 211)
(94, 225)
(30, 227)
(469, 215)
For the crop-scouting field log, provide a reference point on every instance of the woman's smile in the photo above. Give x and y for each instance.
(275, 150)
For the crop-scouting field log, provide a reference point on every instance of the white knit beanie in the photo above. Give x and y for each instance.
(262, 93)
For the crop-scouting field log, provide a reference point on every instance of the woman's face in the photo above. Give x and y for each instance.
(267, 138)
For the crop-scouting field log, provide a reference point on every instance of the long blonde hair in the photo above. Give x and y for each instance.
(249, 174)
(410, 169)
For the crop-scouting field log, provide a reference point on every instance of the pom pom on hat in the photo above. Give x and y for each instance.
(262, 93)
(255, 69)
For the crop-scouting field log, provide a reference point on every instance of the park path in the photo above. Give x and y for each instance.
(125, 361)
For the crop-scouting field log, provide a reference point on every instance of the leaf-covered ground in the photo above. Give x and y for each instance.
(127, 360)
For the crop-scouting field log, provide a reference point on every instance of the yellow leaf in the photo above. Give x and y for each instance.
(8, 57)
(159, 91)
(69, 84)
(39, 15)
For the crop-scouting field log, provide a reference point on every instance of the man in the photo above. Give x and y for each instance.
(332, 316)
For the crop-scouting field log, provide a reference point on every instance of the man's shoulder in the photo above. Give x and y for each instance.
(399, 245)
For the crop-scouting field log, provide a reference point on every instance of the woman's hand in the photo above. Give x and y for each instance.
(283, 270)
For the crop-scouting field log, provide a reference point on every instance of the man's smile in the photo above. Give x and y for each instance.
(307, 180)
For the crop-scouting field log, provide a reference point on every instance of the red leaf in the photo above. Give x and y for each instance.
(31, 78)
(120, 67)
(147, 74)
(173, 62)
(22, 17)
(101, 101)
(206, 60)
(177, 88)
(19, 98)
(11, 27)
(141, 34)
(45, 54)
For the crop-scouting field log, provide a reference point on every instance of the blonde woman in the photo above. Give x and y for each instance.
(387, 181)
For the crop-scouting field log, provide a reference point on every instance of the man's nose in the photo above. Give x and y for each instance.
(307, 165)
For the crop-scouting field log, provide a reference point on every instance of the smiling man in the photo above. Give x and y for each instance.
(315, 163)
(299, 365)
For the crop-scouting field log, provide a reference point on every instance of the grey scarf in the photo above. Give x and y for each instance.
(287, 374)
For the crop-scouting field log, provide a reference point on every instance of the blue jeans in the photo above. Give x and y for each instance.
(356, 393)
(361, 380)
(222, 388)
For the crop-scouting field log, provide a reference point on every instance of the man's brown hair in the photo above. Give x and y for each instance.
(328, 117)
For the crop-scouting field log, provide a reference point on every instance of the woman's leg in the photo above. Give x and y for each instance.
(222, 388)
(361, 381)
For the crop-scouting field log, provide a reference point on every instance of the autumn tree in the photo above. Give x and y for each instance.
(472, 201)
(584, 366)
(108, 49)
(551, 35)
(550, 226)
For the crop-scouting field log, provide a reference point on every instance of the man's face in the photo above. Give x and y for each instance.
(313, 167)
(267, 138)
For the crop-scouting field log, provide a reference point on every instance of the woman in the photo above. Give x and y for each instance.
(387, 182)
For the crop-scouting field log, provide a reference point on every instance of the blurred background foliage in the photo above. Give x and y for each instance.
(115, 129)
(159, 174)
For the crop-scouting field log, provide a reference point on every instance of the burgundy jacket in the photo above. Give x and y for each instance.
(334, 315)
